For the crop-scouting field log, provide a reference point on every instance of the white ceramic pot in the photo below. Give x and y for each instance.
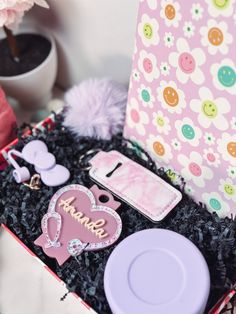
(33, 89)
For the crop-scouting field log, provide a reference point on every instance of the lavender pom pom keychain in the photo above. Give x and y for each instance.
(96, 108)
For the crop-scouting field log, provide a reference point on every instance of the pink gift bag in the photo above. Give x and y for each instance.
(7, 121)
(182, 98)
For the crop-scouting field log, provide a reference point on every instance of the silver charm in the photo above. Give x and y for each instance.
(75, 247)
(51, 243)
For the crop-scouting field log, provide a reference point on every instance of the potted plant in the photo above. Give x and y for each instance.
(28, 60)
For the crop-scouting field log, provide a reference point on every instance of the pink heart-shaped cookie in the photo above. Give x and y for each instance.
(75, 223)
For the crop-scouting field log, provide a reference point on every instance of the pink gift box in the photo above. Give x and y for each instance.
(85, 308)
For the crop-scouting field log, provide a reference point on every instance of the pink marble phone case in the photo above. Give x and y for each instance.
(134, 184)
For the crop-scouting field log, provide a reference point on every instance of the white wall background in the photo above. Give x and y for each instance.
(95, 37)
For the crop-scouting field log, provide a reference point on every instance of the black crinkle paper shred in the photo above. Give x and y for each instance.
(22, 209)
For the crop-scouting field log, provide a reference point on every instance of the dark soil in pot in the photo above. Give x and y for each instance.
(33, 48)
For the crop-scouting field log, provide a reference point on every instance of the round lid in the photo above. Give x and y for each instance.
(156, 271)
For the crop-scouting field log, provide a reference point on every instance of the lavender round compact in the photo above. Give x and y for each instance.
(157, 271)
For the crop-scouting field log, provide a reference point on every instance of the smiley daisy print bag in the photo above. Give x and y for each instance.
(182, 98)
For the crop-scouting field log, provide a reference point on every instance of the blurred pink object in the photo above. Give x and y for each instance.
(7, 121)
(12, 11)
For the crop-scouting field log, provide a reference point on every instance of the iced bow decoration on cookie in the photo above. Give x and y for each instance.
(79, 219)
